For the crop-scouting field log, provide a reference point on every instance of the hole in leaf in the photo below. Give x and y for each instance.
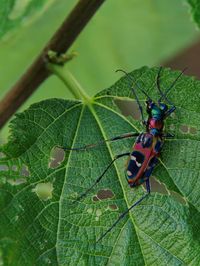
(113, 207)
(43, 190)
(4, 167)
(57, 156)
(178, 197)
(193, 130)
(14, 168)
(104, 194)
(128, 108)
(184, 128)
(89, 210)
(98, 212)
(16, 182)
(25, 171)
(156, 186)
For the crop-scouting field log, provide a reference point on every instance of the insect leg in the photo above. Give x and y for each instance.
(88, 146)
(101, 176)
(168, 135)
(127, 211)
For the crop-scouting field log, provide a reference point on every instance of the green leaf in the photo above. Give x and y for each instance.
(195, 10)
(16, 12)
(39, 222)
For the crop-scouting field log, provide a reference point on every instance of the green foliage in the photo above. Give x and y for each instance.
(15, 12)
(53, 230)
(150, 33)
(195, 9)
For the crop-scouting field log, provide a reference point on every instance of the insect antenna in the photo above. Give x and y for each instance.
(132, 79)
(171, 86)
(159, 89)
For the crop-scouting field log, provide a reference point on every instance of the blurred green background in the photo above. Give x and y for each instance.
(123, 34)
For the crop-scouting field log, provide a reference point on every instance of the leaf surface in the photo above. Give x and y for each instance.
(40, 223)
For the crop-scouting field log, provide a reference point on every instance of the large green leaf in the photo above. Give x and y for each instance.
(39, 222)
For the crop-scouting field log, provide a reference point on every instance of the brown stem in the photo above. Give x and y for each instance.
(37, 72)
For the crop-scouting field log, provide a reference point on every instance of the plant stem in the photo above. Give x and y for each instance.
(69, 80)
(37, 72)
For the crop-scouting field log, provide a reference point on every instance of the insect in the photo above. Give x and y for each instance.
(147, 147)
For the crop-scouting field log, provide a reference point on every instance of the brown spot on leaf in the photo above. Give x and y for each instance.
(14, 168)
(25, 171)
(113, 207)
(56, 157)
(193, 130)
(4, 168)
(105, 194)
(184, 128)
(156, 186)
(16, 182)
(128, 108)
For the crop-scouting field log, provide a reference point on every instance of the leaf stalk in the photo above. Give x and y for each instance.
(69, 80)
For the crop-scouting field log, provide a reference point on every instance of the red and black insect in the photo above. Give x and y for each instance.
(147, 147)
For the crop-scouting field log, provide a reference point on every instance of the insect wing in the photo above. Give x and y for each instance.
(139, 159)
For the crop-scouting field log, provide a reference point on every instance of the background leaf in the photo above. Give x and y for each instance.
(56, 231)
(122, 34)
(17, 12)
(195, 10)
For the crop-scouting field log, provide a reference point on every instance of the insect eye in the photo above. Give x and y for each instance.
(163, 107)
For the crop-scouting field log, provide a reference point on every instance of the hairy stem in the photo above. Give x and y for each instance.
(37, 72)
